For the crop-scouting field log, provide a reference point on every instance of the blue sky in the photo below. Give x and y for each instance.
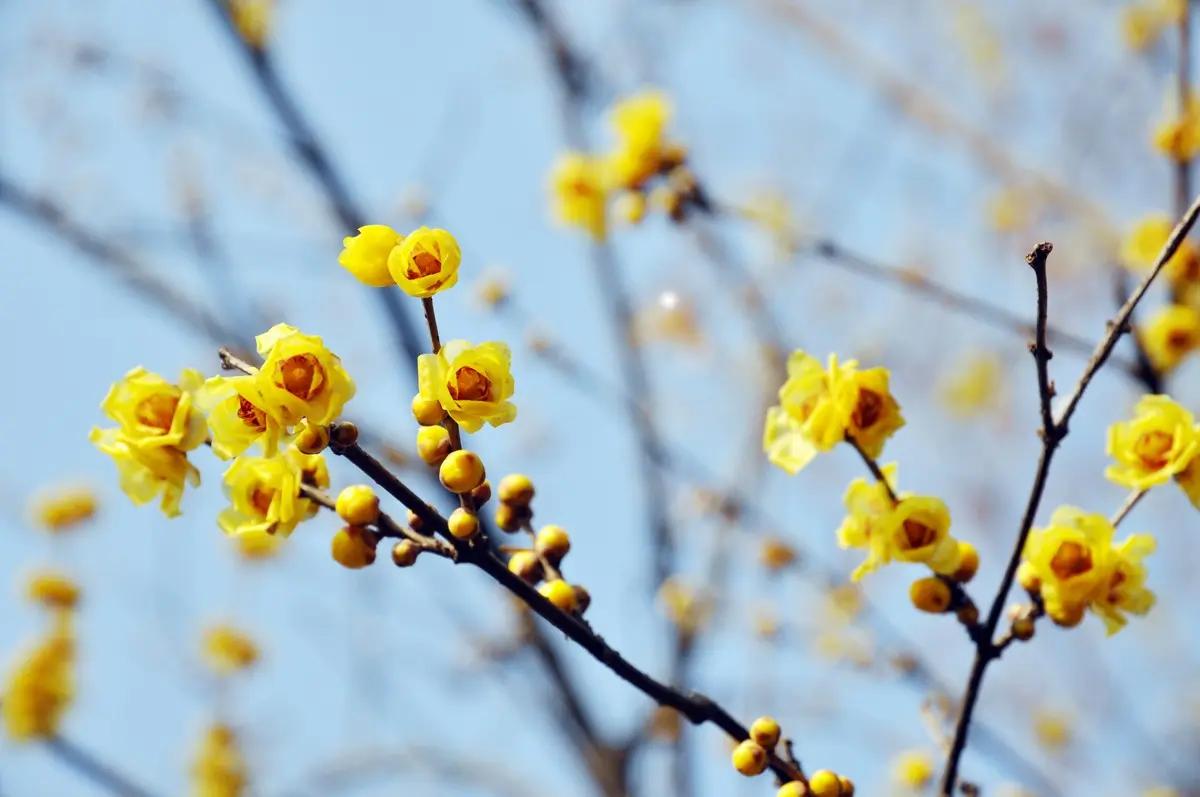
(455, 94)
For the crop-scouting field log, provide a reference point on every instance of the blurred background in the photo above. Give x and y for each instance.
(881, 170)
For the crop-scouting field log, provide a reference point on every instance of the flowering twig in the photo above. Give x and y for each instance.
(986, 650)
(698, 708)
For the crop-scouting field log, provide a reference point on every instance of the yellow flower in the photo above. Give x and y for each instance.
(256, 546)
(800, 426)
(41, 687)
(579, 193)
(300, 378)
(152, 412)
(974, 385)
(1053, 729)
(425, 263)
(219, 769)
(237, 416)
(312, 470)
(228, 650)
(473, 383)
(1126, 590)
(683, 606)
(63, 507)
(252, 20)
(1143, 21)
(1078, 566)
(640, 123)
(1189, 480)
(872, 414)
(1145, 242)
(867, 504)
(53, 590)
(1171, 334)
(366, 255)
(913, 769)
(1157, 444)
(918, 530)
(146, 472)
(264, 494)
(1178, 135)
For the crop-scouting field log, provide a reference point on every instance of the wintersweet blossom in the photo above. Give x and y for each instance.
(300, 377)
(473, 383)
(1169, 335)
(41, 687)
(264, 495)
(366, 255)
(238, 417)
(579, 193)
(1157, 444)
(425, 262)
(148, 473)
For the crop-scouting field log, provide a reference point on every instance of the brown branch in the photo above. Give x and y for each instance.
(93, 769)
(698, 708)
(873, 466)
(1131, 500)
(1041, 352)
(986, 650)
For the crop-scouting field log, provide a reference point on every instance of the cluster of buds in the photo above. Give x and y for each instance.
(752, 757)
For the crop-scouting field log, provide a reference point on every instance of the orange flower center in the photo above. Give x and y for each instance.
(1114, 587)
(251, 415)
(581, 189)
(1071, 559)
(423, 264)
(301, 375)
(1152, 448)
(157, 411)
(262, 497)
(918, 535)
(868, 410)
(1180, 340)
(470, 385)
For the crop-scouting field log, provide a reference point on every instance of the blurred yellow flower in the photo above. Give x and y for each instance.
(219, 769)
(973, 385)
(1178, 135)
(1189, 480)
(228, 650)
(63, 507)
(1142, 246)
(52, 590)
(1170, 334)
(867, 504)
(473, 383)
(1008, 210)
(1053, 729)
(144, 473)
(802, 424)
(256, 546)
(252, 20)
(366, 255)
(1143, 21)
(41, 687)
(913, 769)
(1158, 443)
(425, 262)
(639, 123)
(300, 378)
(1126, 591)
(683, 606)
(579, 193)
(237, 416)
(152, 412)
(264, 495)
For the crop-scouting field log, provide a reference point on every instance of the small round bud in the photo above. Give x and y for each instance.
(516, 489)
(433, 445)
(765, 732)
(463, 524)
(526, 566)
(1027, 577)
(775, 554)
(343, 434)
(404, 553)
(428, 412)
(847, 786)
(1066, 615)
(969, 565)
(630, 207)
(511, 518)
(1023, 627)
(553, 543)
(824, 783)
(482, 494)
(671, 157)
(968, 613)
(583, 599)
(461, 471)
(793, 788)
(353, 547)
(560, 594)
(415, 523)
(749, 758)
(930, 595)
(358, 505)
(312, 439)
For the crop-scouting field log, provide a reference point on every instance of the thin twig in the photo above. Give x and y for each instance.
(1041, 352)
(92, 768)
(873, 466)
(1127, 506)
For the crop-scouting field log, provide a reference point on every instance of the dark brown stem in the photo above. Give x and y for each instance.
(92, 768)
(873, 466)
(1041, 352)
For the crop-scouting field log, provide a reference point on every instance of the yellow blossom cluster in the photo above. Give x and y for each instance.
(1143, 21)
(821, 407)
(219, 770)
(1159, 444)
(227, 650)
(752, 756)
(41, 686)
(64, 507)
(1172, 332)
(422, 263)
(583, 186)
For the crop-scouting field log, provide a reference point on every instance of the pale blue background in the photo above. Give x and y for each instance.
(455, 94)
